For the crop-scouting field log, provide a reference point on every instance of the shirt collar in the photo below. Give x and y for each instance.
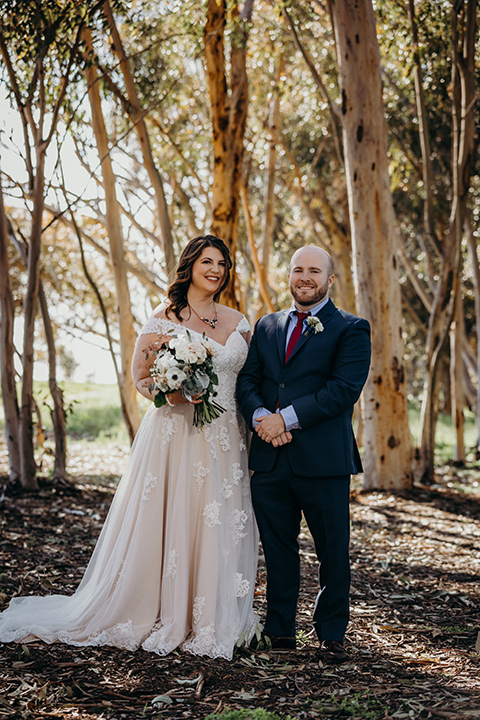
(312, 311)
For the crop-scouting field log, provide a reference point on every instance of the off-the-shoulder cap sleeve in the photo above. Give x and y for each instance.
(244, 326)
(156, 325)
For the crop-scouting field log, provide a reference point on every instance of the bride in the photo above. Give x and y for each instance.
(175, 563)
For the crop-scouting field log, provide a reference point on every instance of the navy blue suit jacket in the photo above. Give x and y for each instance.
(322, 379)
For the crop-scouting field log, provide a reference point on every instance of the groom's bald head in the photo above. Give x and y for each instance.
(317, 255)
(311, 276)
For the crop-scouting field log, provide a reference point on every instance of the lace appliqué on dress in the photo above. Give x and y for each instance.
(211, 513)
(241, 519)
(242, 585)
(200, 473)
(157, 326)
(226, 489)
(172, 563)
(121, 636)
(158, 642)
(224, 439)
(149, 483)
(244, 326)
(204, 642)
(168, 426)
(237, 473)
(210, 436)
(198, 605)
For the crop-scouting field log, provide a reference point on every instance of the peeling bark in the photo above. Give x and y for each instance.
(268, 215)
(446, 291)
(9, 392)
(58, 412)
(473, 253)
(228, 106)
(386, 435)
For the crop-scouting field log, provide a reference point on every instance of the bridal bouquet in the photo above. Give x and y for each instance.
(187, 365)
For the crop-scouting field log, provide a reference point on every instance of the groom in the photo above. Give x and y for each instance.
(305, 370)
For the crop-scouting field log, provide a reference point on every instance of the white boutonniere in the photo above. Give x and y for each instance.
(314, 325)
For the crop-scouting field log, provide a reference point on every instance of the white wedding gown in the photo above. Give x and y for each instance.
(176, 560)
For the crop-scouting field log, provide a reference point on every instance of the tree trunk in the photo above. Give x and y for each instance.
(58, 412)
(30, 304)
(423, 135)
(137, 116)
(32, 108)
(114, 229)
(473, 253)
(463, 135)
(335, 238)
(229, 114)
(9, 392)
(456, 381)
(264, 296)
(386, 435)
(268, 215)
(98, 295)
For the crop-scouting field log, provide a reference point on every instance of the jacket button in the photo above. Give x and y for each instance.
(281, 386)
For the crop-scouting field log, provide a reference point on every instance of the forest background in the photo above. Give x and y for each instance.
(129, 128)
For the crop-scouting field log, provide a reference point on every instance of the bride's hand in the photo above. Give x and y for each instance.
(176, 398)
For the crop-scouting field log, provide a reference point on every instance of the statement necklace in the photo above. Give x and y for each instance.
(211, 322)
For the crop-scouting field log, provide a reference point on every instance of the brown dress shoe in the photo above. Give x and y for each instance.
(334, 651)
(272, 642)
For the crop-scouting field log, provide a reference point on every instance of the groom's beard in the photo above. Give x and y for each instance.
(313, 298)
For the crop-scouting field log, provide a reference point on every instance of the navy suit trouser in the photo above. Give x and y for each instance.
(279, 498)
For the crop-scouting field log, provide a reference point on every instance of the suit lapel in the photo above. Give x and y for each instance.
(324, 316)
(281, 334)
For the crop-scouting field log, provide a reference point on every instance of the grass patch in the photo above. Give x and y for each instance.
(247, 714)
(103, 422)
(93, 411)
(363, 705)
(445, 432)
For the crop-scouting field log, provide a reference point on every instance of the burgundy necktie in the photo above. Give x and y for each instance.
(297, 331)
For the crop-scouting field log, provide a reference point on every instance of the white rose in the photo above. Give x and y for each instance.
(196, 353)
(165, 361)
(180, 345)
(190, 352)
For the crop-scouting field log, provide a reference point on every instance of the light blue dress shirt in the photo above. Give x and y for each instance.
(289, 415)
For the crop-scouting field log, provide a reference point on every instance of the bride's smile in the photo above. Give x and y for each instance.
(208, 272)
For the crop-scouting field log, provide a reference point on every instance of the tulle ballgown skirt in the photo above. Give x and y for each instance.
(175, 563)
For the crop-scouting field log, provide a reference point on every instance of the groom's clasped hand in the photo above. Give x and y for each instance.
(271, 429)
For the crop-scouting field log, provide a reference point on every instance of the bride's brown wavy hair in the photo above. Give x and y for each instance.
(177, 291)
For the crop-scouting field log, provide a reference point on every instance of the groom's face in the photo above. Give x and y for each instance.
(310, 277)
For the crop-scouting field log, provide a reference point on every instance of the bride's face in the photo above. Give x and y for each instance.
(208, 271)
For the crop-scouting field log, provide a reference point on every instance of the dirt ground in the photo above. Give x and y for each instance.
(414, 637)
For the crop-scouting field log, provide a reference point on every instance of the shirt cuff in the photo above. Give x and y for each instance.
(290, 417)
(259, 412)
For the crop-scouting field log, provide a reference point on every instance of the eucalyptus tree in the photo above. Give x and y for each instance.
(7, 369)
(447, 297)
(117, 246)
(228, 90)
(430, 90)
(136, 114)
(39, 45)
(387, 440)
